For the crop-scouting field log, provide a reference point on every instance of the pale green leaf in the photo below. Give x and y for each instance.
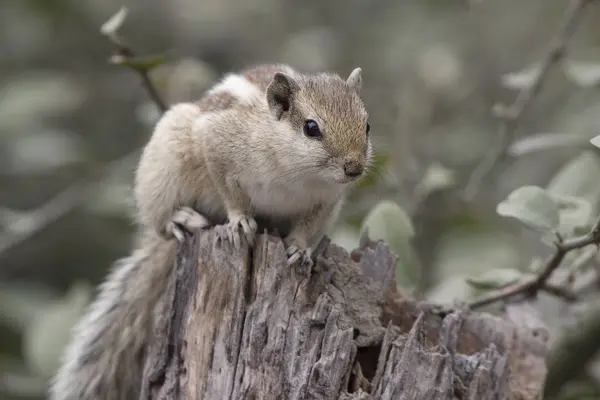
(533, 207)
(584, 74)
(522, 79)
(545, 141)
(495, 278)
(389, 222)
(346, 236)
(47, 335)
(113, 24)
(595, 141)
(576, 214)
(437, 177)
(143, 64)
(579, 178)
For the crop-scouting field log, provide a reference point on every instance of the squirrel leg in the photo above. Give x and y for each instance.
(185, 218)
(236, 202)
(237, 207)
(309, 229)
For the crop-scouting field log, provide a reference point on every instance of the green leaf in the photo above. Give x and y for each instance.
(579, 178)
(143, 64)
(584, 74)
(346, 236)
(389, 222)
(522, 79)
(533, 206)
(576, 214)
(545, 141)
(114, 23)
(437, 177)
(45, 338)
(495, 278)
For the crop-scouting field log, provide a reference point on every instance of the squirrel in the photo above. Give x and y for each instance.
(266, 147)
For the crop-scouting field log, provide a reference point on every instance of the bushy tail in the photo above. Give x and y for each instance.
(105, 358)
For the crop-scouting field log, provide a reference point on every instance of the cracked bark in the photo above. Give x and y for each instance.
(239, 324)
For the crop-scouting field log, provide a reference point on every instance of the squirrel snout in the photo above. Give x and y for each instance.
(353, 168)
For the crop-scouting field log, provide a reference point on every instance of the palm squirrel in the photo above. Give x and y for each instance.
(267, 146)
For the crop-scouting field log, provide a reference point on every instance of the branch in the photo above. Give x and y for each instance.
(511, 116)
(125, 55)
(563, 247)
(530, 286)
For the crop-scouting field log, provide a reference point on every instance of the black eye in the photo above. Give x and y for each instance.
(368, 128)
(311, 129)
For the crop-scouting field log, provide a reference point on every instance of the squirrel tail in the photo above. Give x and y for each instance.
(105, 358)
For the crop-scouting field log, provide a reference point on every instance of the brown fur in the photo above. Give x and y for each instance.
(262, 75)
(216, 102)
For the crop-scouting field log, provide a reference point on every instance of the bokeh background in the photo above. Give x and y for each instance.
(71, 124)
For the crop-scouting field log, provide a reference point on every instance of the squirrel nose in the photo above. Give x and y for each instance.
(353, 169)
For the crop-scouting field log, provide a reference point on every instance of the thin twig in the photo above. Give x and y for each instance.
(503, 293)
(565, 246)
(512, 116)
(124, 53)
(532, 285)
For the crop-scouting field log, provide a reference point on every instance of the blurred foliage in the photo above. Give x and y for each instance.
(432, 73)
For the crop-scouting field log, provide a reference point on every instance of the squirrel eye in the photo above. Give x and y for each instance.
(368, 128)
(311, 129)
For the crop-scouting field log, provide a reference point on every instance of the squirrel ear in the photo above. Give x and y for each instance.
(355, 79)
(280, 93)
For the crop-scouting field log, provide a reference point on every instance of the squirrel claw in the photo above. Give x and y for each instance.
(185, 219)
(296, 254)
(237, 227)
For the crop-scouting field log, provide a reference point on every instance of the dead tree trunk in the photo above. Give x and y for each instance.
(244, 326)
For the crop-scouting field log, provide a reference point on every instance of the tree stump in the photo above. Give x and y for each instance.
(243, 325)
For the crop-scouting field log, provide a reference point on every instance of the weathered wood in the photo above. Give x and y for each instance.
(242, 325)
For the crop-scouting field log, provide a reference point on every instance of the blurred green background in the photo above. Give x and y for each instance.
(432, 71)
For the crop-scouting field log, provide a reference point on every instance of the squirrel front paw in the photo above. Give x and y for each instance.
(185, 218)
(240, 225)
(297, 254)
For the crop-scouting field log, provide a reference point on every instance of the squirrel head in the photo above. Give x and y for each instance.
(329, 122)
